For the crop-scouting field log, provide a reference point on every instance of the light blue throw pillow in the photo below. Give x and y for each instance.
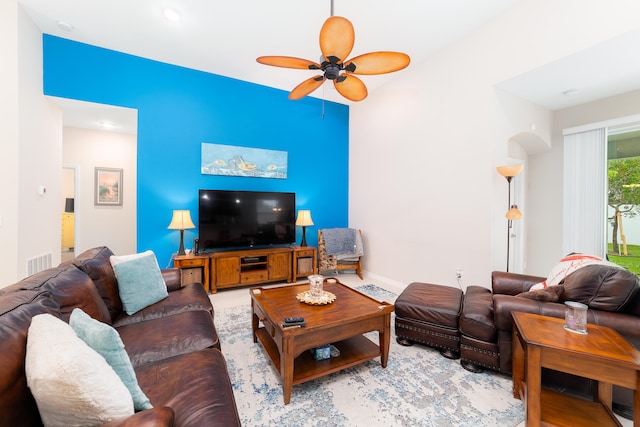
(106, 341)
(140, 281)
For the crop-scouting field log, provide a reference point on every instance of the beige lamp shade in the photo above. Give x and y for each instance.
(510, 170)
(181, 220)
(304, 218)
(514, 213)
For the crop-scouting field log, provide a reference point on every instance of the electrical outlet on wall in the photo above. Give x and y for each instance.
(459, 273)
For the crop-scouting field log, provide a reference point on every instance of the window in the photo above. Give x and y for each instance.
(587, 154)
(623, 196)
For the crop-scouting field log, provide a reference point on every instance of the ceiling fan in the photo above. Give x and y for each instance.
(336, 42)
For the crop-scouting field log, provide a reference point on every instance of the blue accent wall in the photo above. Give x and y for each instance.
(179, 108)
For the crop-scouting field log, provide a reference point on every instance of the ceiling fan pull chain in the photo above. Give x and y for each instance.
(323, 99)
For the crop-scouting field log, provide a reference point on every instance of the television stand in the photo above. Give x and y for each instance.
(242, 267)
(230, 269)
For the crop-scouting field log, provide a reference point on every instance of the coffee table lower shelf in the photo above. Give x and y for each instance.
(353, 351)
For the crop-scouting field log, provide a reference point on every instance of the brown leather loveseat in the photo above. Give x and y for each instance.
(172, 344)
(611, 293)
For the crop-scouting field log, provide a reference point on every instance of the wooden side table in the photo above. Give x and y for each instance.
(304, 262)
(193, 268)
(602, 355)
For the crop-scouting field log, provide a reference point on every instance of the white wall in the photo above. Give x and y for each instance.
(112, 226)
(30, 149)
(527, 129)
(31, 152)
(34, 154)
(9, 141)
(423, 185)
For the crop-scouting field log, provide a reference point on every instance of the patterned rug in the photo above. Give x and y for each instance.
(419, 387)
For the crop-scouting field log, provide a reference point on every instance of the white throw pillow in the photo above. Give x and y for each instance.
(72, 384)
(140, 281)
(566, 266)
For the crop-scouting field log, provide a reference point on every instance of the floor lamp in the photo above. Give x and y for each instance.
(513, 213)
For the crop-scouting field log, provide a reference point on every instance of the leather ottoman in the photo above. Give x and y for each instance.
(429, 314)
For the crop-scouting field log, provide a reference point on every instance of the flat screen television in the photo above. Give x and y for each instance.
(245, 219)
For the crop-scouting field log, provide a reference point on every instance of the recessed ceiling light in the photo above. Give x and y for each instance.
(570, 92)
(172, 14)
(65, 26)
(108, 125)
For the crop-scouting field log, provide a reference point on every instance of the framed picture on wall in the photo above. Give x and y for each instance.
(233, 160)
(108, 187)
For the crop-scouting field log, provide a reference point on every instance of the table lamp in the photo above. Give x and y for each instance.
(304, 220)
(181, 221)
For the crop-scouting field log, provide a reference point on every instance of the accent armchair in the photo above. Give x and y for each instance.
(340, 249)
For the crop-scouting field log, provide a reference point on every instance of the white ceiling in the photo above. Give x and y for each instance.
(603, 70)
(89, 115)
(225, 38)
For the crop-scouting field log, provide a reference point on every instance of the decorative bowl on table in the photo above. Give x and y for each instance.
(323, 299)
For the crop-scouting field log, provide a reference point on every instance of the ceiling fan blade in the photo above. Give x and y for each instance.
(306, 87)
(288, 62)
(378, 63)
(351, 87)
(337, 38)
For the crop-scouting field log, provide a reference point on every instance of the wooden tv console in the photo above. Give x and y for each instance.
(230, 269)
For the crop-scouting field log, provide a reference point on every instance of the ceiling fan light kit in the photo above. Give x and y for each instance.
(337, 37)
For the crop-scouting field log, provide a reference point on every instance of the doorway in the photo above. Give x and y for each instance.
(68, 216)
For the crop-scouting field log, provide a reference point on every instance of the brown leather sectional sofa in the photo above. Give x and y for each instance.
(172, 344)
(477, 325)
(486, 324)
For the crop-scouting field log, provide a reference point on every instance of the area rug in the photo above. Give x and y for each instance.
(419, 387)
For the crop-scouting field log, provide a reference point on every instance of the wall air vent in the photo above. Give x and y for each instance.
(38, 263)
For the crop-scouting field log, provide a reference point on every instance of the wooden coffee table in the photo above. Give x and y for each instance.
(602, 355)
(340, 323)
